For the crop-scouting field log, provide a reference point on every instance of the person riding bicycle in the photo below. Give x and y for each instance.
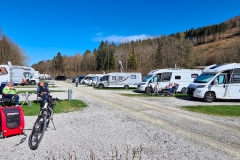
(43, 91)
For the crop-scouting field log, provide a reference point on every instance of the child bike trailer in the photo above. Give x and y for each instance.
(11, 121)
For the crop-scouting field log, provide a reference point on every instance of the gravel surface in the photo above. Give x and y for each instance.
(114, 126)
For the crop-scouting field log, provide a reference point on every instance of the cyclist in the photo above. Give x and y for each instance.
(44, 92)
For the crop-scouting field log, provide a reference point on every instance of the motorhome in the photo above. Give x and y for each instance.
(96, 78)
(183, 77)
(87, 79)
(218, 81)
(16, 74)
(120, 80)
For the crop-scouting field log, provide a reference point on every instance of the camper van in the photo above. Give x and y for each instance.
(96, 78)
(120, 80)
(88, 79)
(183, 77)
(16, 74)
(220, 81)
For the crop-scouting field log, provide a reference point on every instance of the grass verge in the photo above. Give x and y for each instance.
(34, 91)
(218, 110)
(63, 107)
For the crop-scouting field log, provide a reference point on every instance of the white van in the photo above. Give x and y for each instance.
(96, 78)
(220, 81)
(88, 79)
(170, 75)
(120, 80)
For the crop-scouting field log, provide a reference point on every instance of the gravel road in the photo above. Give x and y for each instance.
(114, 126)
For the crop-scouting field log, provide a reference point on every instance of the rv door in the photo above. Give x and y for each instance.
(218, 85)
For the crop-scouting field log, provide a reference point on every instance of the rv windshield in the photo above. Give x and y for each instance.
(147, 78)
(204, 78)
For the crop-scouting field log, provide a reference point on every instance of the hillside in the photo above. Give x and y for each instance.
(225, 50)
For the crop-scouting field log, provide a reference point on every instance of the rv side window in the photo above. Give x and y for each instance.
(177, 77)
(120, 78)
(166, 76)
(236, 78)
(155, 79)
(194, 75)
(220, 79)
(113, 77)
(3, 71)
(133, 76)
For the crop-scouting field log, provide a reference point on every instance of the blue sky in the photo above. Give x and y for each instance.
(42, 28)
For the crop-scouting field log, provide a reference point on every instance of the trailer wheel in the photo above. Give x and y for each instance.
(101, 85)
(148, 90)
(126, 86)
(209, 97)
(184, 90)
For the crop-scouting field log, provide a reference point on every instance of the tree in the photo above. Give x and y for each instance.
(132, 63)
(57, 63)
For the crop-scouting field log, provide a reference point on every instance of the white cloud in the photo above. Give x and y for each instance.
(118, 39)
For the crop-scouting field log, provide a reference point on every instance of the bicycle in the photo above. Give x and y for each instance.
(42, 122)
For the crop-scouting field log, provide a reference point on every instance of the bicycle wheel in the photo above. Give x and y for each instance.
(38, 130)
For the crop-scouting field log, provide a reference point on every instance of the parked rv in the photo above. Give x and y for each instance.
(96, 78)
(220, 81)
(120, 80)
(183, 77)
(16, 74)
(87, 79)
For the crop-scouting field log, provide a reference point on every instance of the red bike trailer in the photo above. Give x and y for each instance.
(11, 121)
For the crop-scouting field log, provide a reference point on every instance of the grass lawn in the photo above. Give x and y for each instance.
(62, 107)
(35, 91)
(218, 110)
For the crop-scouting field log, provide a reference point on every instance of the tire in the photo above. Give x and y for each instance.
(101, 85)
(209, 97)
(33, 82)
(184, 90)
(126, 86)
(38, 131)
(148, 90)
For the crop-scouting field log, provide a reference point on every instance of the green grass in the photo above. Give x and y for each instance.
(218, 110)
(63, 107)
(34, 91)
(155, 95)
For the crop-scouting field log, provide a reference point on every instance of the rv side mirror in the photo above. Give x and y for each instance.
(215, 82)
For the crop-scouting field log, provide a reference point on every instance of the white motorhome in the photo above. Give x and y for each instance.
(16, 74)
(120, 80)
(96, 78)
(183, 77)
(220, 81)
(88, 79)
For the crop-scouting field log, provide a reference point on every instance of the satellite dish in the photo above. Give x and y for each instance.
(9, 63)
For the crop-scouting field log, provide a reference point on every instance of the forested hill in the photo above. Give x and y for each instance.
(219, 43)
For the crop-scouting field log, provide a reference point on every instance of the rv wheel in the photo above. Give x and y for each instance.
(148, 90)
(33, 82)
(100, 85)
(209, 97)
(184, 90)
(126, 86)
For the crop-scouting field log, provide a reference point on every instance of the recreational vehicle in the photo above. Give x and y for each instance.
(96, 78)
(87, 80)
(220, 81)
(170, 75)
(16, 74)
(120, 80)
